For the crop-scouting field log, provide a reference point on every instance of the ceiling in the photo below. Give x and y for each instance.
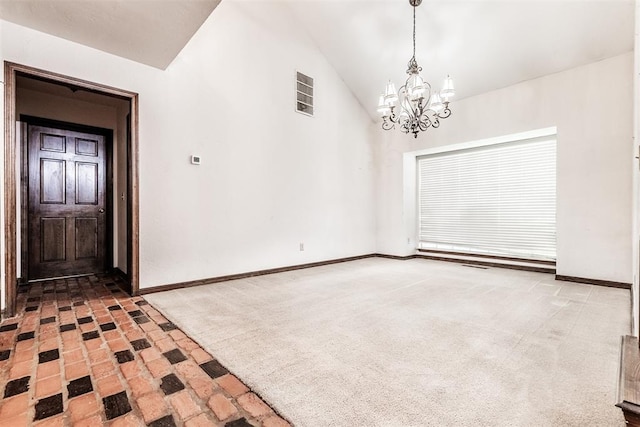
(151, 32)
(69, 91)
(483, 44)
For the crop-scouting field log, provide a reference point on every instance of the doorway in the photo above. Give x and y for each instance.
(67, 180)
(66, 226)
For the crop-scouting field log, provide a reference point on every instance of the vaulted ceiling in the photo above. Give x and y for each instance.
(483, 44)
(151, 32)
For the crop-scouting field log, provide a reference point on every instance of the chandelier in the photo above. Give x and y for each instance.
(420, 107)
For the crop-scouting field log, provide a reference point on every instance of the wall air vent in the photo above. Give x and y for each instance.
(304, 94)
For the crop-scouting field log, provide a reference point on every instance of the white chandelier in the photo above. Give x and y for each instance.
(420, 107)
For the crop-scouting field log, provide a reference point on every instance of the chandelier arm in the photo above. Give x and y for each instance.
(405, 104)
(392, 116)
(425, 122)
(387, 125)
(446, 112)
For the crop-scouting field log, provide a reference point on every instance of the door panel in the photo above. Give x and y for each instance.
(87, 147)
(52, 142)
(86, 183)
(86, 238)
(67, 201)
(52, 181)
(53, 232)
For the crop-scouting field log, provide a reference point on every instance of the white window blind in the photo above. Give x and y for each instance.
(497, 200)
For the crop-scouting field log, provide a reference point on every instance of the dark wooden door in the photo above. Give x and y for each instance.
(67, 203)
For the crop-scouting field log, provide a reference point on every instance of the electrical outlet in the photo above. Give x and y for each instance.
(301, 247)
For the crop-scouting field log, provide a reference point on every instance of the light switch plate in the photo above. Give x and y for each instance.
(195, 160)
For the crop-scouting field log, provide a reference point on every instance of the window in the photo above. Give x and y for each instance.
(498, 199)
(304, 94)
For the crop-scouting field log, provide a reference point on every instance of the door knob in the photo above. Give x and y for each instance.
(101, 210)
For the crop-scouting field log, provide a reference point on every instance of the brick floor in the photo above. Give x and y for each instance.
(83, 353)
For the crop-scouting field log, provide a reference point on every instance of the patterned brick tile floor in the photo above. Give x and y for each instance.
(83, 353)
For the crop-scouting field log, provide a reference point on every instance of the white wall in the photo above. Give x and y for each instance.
(592, 108)
(270, 178)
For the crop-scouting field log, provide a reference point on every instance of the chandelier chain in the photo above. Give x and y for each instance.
(414, 32)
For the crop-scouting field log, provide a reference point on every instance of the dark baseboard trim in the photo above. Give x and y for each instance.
(491, 264)
(628, 393)
(632, 296)
(502, 258)
(397, 257)
(598, 282)
(125, 283)
(118, 272)
(629, 407)
(172, 286)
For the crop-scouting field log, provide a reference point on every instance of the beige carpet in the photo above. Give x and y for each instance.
(380, 342)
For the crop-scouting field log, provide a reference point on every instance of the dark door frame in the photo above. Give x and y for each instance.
(108, 140)
(12, 175)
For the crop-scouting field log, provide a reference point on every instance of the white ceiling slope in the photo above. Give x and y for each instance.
(151, 32)
(483, 44)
